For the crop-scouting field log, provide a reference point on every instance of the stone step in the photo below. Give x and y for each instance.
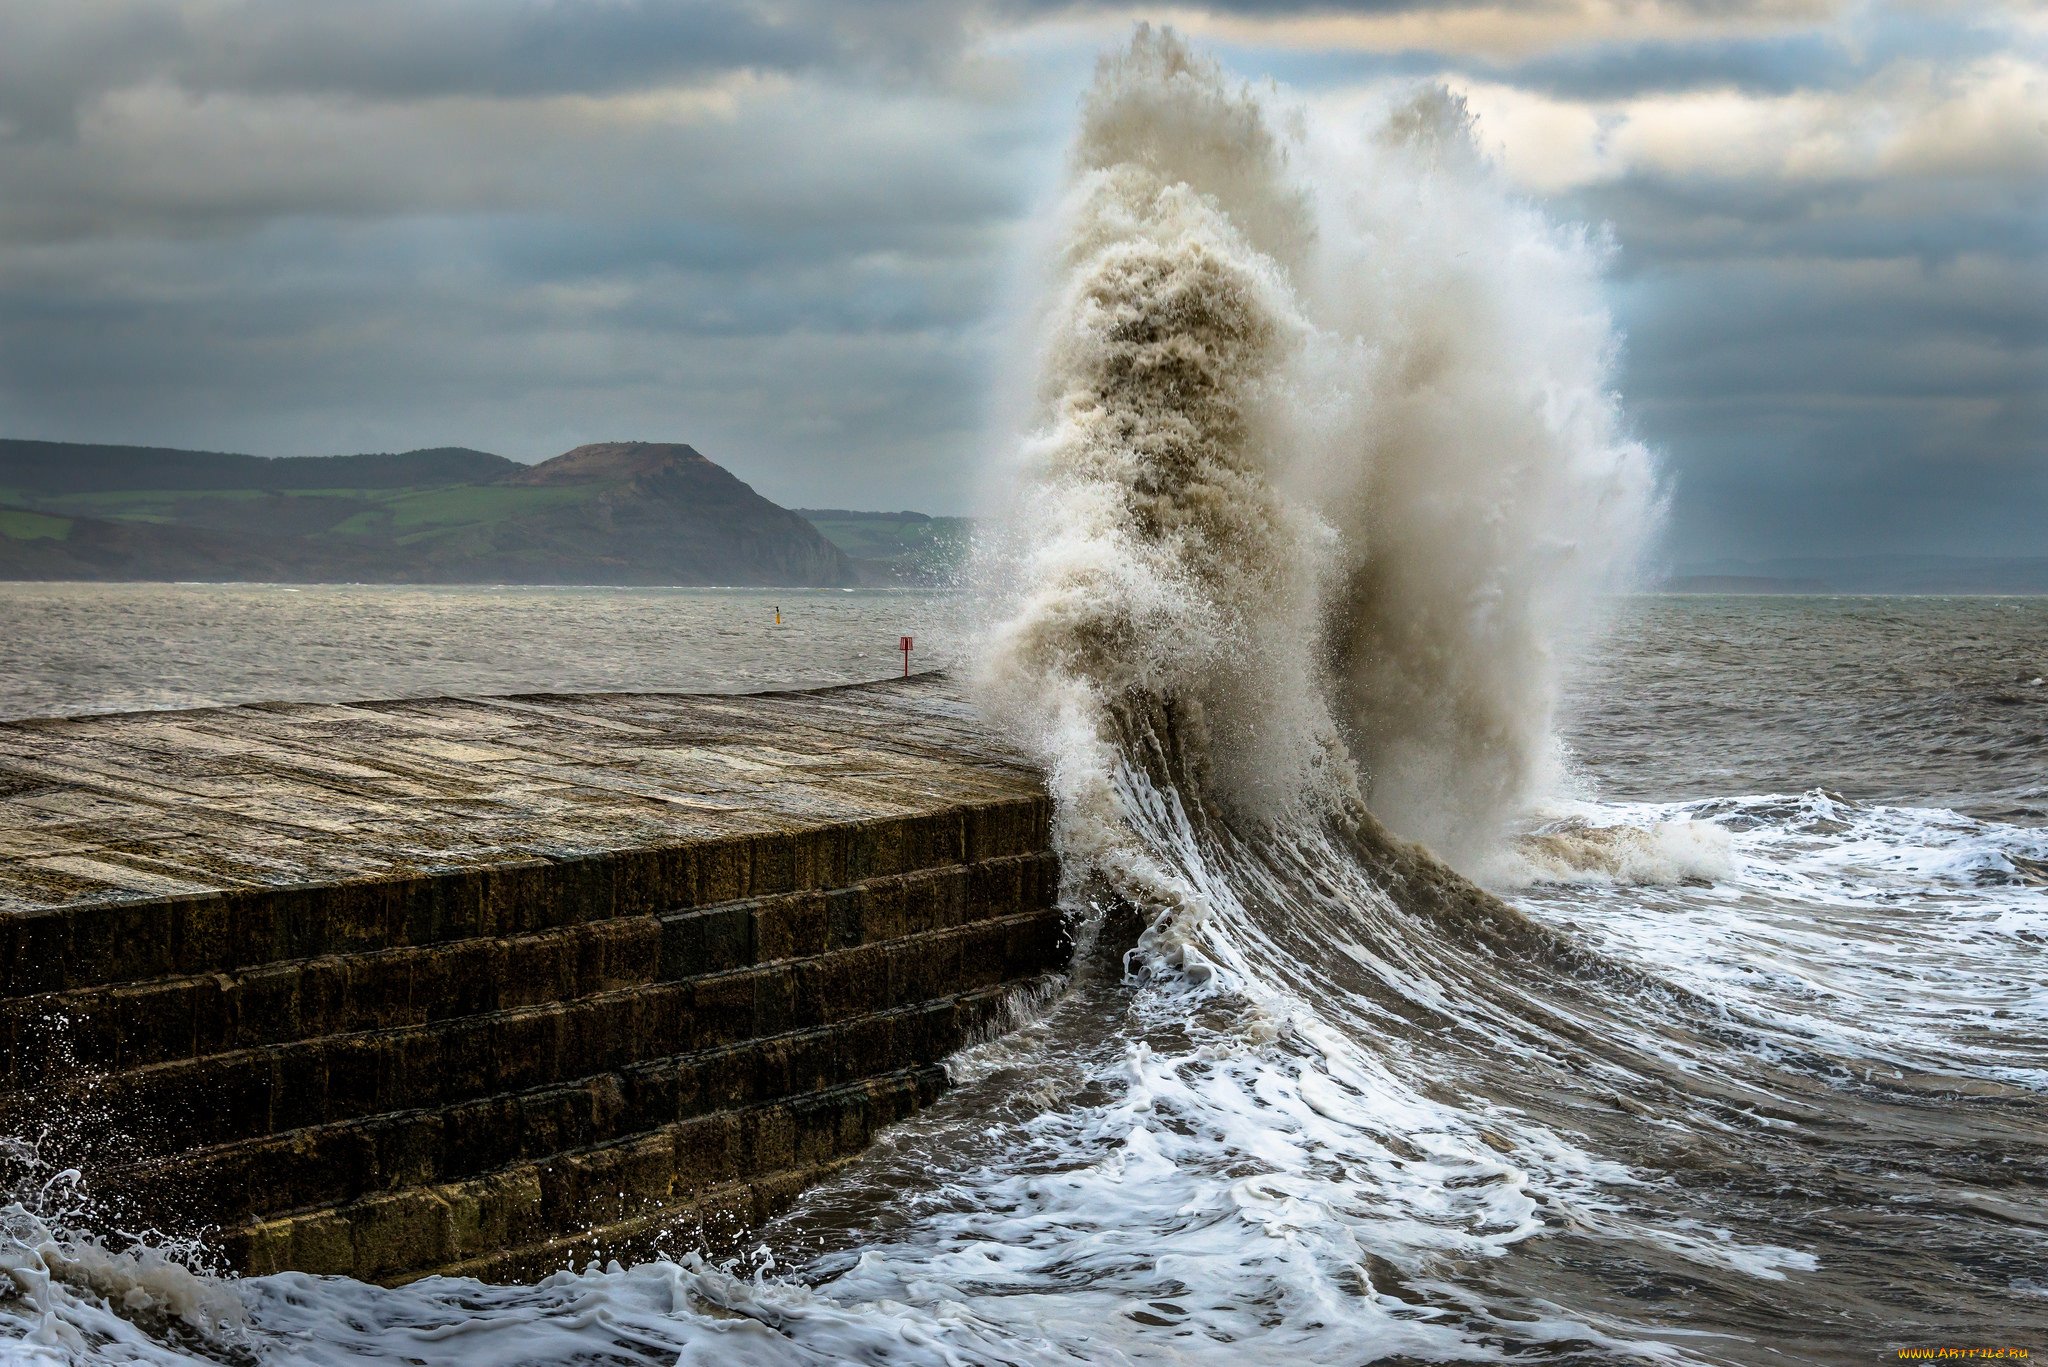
(103, 1030)
(697, 1184)
(219, 1098)
(322, 1166)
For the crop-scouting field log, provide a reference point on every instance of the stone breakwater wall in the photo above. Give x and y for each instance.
(492, 986)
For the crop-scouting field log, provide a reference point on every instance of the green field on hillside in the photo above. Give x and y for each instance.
(18, 524)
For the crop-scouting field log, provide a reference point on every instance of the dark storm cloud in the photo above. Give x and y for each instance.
(1817, 386)
(781, 229)
(1841, 367)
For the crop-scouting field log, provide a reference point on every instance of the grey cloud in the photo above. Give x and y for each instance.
(414, 48)
(834, 159)
(800, 284)
(306, 232)
(1607, 71)
(823, 381)
(1932, 219)
(1776, 65)
(1852, 398)
(56, 56)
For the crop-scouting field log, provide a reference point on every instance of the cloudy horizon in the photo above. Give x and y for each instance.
(787, 232)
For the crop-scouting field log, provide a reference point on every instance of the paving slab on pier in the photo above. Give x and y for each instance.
(150, 805)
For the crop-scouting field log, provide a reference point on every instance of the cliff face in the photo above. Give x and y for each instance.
(611, 513)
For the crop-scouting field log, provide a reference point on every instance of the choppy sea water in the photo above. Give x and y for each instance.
(73, 648)
(1775, 1091)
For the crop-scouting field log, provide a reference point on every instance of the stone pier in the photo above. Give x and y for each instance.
(495, 985)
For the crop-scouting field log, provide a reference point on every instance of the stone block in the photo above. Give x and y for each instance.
(469, 1059)
(124, 942)
(356, 1074)
(723, 1008)
(663, 1018)
(618, 954)
(480, 1135)
(523, 898)
(298, 1088)
(869, 1044)
(526, 1048)
(266, 1006)
(546, 1057)
(707, 1150)
(722, 869)
(984, 954)
(35, 951)
(774, 1001)
(400, 1231)
(584, 887)
(814, 1122)
(726, 1078)
(772, 865)
(535, 970)
(768, 1137)
(260, 1250)
(323, 1244)
(713, 940)
(154, 1022)
(200, 933)
(492, 1214)
(409, 1150)
(842, 918)
(777, 1192)
(641, 884)
(458, 979)
(773, 1076)
(339, 992)
(924, 968)
(789, 927)
(882, 915)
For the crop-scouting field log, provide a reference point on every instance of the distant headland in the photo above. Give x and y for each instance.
(641, 513)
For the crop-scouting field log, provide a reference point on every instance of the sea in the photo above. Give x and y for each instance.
(1786, 1100)
(1479, 963)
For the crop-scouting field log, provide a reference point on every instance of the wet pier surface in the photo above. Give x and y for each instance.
(150, 805)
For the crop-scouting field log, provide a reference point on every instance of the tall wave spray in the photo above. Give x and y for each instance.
(1323, 477)
(1325, 471)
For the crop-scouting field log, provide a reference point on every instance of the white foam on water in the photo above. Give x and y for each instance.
(1895, 938)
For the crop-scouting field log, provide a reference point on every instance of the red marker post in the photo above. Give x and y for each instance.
(903, 644)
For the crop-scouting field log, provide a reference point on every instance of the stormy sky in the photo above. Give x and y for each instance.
(786, 230)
